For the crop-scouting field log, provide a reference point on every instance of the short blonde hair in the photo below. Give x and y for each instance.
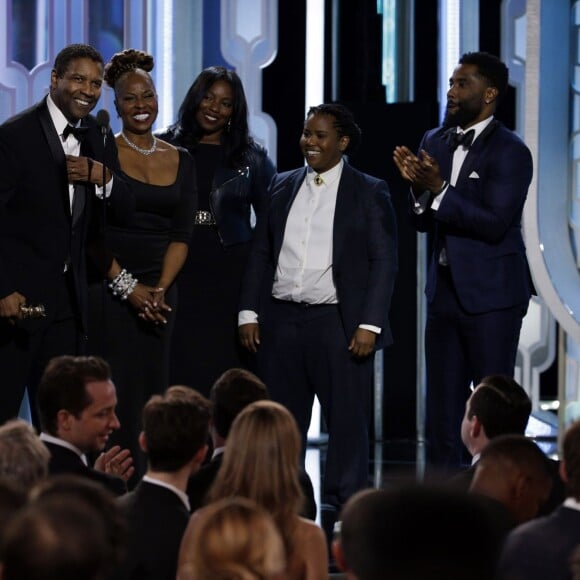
(234, 539)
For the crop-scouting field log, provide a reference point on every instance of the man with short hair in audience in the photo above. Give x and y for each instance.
(174, 436)
(542, 548)
(514, 474)
(23, 457)
(64, 538)
(415, 533)
(232, 392)
(76, 403)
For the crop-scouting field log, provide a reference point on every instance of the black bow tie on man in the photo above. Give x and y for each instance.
(455, 139)
(78, 132)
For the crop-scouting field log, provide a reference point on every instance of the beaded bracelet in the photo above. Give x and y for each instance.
(123, 284)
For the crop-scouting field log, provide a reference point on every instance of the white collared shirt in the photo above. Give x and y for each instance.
(571, 503)
(71, 146)
(180, 494)
(62, 443)
(304, 269)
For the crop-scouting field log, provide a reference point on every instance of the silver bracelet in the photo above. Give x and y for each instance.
(123, 284)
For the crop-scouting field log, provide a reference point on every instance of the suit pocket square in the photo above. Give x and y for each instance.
(473, 175)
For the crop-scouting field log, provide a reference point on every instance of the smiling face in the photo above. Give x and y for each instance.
(136, 102)
(214, 111)
(90, 430)
(77, 91)
(321, 144)
(470, 99)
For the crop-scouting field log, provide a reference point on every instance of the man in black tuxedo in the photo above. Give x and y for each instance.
(233, 391)
(174, 437)
(76, 404)
(317, 289)
(469, 183)
(51, 157)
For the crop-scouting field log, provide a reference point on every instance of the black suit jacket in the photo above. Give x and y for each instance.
(63, 460)
(479, 220)
(157, 521)
(38, 232)
(364, 251)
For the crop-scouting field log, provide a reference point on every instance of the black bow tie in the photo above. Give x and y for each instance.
(455, 139)
(78, 132)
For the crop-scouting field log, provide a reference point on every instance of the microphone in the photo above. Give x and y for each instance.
(103, 120)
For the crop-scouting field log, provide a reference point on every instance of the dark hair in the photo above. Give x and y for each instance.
(72, 52)
(62, 386)
(417, 532)
(521, 452)
(491, 68)
(176, 427)
(64, 538)
(571, 457)
(127, 61)
(343, 123)
(501, 405)
(97, 497)
(233, 391)
(236, 139)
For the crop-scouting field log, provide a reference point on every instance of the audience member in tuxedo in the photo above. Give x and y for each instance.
(514, 476)
(469, 193)
(131, 324)
(48, 195)
(234, 539)
(96, 497)
(232, 176)
(415, 533)
(23, 456)
(261, 463)
(497, 406)
(76, 404)
(64, 538)
(543, 547)
(175, 431)
(233, 391)
(317, 290)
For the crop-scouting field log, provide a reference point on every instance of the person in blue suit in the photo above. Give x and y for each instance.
(316, 292)
(469, 183)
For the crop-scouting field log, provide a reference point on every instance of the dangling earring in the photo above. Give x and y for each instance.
(229, 125)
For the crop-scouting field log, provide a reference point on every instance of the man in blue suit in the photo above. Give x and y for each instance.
(319, 279)
(468, 187)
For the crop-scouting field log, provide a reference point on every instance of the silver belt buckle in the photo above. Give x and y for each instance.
(204, 218)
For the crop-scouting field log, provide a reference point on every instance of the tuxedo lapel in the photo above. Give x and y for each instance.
(57, 152)
(476, 149)
(343, 212)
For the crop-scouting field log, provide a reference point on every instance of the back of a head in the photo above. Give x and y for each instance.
(60, 539)
(261, 463)
(233, 391)
(571, 457)
(23, 456)
(63, 386)
(501, 405)
(176, 427)
(417, 533)
(97, 498)
(235, 539)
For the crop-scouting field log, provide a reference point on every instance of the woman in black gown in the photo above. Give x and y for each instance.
(132, 321)
(233, 173)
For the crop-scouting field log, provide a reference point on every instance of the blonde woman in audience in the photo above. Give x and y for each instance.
(234, 539)
(261, 463)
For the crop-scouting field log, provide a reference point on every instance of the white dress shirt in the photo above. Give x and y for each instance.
(70, 146)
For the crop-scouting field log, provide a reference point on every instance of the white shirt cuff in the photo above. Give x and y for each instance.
(247, 317)
(438, 199)
(371, 327)
(108, 188)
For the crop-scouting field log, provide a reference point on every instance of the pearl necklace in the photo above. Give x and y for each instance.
(138, 149)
